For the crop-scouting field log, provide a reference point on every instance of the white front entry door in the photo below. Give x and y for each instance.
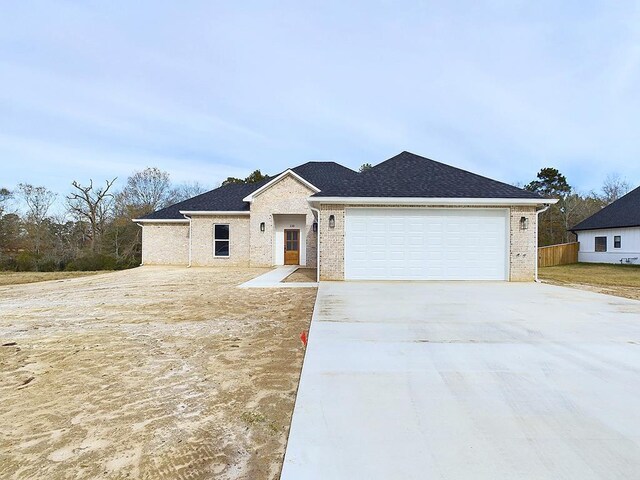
(426, 244)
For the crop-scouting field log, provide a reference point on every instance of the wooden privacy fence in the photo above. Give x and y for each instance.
(561, 254)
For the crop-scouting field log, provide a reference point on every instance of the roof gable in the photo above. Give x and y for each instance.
(624, 212)
(287, 174)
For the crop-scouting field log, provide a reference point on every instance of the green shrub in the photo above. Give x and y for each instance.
(26, 262)
(8, 264)
(92, 262)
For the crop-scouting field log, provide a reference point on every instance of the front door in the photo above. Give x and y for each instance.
(292, 247)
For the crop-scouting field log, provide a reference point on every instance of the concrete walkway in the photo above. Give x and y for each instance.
(274, 279)
(467, 381)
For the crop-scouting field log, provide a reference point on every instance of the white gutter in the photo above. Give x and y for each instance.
(214, 212)
(141, 259)
(318, 245)
(538, 212)
(190, 239)
(505, 202)
(157, 220)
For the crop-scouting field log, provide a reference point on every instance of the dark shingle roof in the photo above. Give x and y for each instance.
(410, 175)
(624, 212)
(229, 197)
(405, 175)
(324, 174)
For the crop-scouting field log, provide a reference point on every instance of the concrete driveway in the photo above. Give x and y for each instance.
(468, 381)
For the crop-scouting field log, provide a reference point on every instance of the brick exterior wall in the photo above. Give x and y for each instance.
(202, 240)
(332, 243)
(287, 197)
(168, 243)
(523, 254)
(521, 242)
(312, 242)
(165, 244)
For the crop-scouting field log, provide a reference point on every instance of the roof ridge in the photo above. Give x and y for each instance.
(405, 153)
(410, 175)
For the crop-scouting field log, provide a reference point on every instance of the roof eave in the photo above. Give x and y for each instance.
(584, 229)
(160, 220)
(432, 201)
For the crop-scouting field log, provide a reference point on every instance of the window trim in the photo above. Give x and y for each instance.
(228, 240)
(595, 244)
(617, 241)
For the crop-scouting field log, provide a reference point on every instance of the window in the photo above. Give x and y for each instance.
(617, 241)
(220, 240)
(601, 244)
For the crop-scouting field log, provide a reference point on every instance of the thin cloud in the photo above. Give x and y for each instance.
(221, 89)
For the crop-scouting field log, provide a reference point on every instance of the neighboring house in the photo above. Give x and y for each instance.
(613, 234)
(408, 218)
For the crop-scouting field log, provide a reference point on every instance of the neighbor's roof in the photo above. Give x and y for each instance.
(229, 198)
(624, 212)
(410, 175)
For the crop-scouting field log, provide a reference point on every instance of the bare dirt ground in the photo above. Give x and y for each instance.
(15, 278)
(617, 280)
(149, 373)
(302, 275)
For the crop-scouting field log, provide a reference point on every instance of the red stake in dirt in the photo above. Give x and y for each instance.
(303, 338)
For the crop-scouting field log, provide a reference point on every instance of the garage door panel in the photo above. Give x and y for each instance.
(451, 244)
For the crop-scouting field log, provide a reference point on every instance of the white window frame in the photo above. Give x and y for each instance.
(228, 240)
(618, 241)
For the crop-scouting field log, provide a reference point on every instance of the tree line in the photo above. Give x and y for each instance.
(573, 206)
(94, 231)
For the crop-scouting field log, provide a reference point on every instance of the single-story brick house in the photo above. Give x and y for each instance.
(612, 235)
(407, 218)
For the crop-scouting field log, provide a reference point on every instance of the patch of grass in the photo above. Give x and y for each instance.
(254, 419)
(593, 274)
(16, 278)
(619, 280)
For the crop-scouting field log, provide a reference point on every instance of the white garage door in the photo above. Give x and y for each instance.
(426, 244)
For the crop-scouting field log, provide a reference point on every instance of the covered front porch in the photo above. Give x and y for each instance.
(294, 239)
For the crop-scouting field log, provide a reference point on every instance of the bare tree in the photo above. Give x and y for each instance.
(5, 195)
(91, 205)
(9, 224)
(148, 190)
(574, 208)
(38, 201)
(613, 188)
(189, 190)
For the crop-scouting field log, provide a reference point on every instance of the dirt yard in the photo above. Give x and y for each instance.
(15, 278)
(303, 275)
(148, 373)
(618, 280)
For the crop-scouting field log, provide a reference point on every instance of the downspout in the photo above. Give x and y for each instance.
(142, 230)
(190, 238)
(538, 212)
(317, 245)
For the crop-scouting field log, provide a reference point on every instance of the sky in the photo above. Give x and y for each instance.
(207, 90)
